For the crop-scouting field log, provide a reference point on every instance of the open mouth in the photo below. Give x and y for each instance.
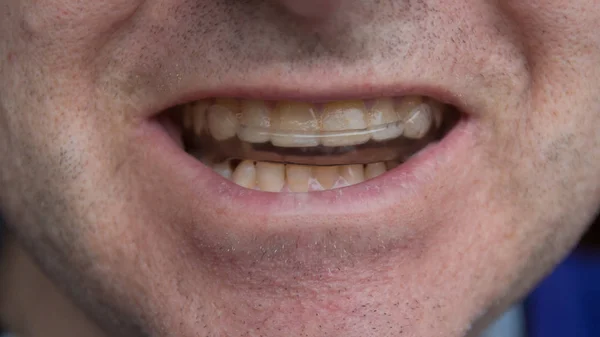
(299, 147)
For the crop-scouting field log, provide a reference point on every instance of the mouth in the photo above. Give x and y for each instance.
(304, 147)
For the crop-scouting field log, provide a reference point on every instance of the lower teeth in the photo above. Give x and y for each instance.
(278, 177)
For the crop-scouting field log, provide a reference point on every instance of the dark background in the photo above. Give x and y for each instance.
(592, 237)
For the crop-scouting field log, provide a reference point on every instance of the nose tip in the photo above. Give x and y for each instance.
(311, 9)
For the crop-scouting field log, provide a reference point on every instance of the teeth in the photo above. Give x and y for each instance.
(194, 116)
(327, 176)
(353, 174)
(405, 104)
(438, 109)
(419, 122)
(299, 124)
(198, 112)
(295, 118)
(416, 115)
(222, 118)
(224, 169)
(245, 174)
(273, 177)
(270, 176)
(383, 120)
(256, 121)
(298, 177)
(334, 127)
(344, 116)
(374, 170)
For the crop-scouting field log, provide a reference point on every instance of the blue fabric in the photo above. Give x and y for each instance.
(566, 303)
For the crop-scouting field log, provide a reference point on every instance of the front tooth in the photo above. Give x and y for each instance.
(245, 174)
(222, 118)
(353, 174)
(383, 120)
(224, 169)
(255, 122)
(270, 176)
(298, 177)
(294, 124)
(327, 176)
(344, 116)
(374, 170)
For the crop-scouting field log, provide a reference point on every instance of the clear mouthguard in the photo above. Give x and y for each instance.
(227, 136)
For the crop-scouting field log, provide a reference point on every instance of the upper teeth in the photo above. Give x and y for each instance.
(300, 124)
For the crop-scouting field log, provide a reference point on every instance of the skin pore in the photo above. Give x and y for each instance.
(146, 241)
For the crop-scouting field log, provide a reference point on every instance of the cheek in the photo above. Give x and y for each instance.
(554, 22)
(67, 18)
(60, 37)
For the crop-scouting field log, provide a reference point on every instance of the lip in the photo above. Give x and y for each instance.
(317, 93)
(398, 186)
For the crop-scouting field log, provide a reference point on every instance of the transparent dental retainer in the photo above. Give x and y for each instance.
(377, 143)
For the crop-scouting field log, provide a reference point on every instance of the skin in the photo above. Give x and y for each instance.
(131, 230)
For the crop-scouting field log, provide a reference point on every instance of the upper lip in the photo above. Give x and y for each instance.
(317, 93)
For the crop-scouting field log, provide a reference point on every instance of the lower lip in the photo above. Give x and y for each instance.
(405, 182)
